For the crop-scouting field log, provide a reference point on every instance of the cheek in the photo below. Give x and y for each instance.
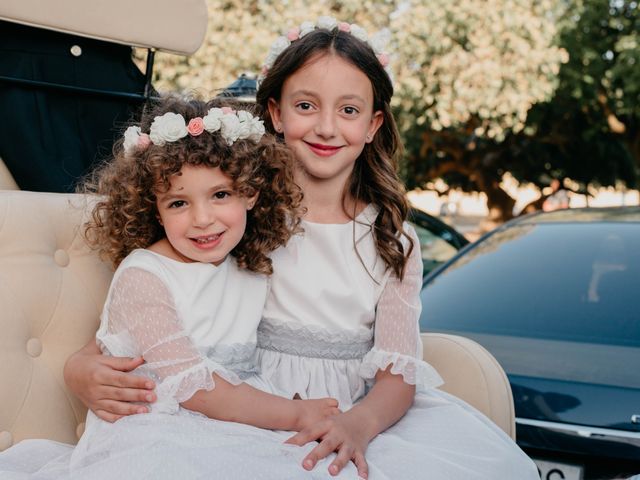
(361, 131)
(294, 129)
(171, 227)
(237, 214)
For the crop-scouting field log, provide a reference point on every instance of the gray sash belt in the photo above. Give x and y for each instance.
(314, 342)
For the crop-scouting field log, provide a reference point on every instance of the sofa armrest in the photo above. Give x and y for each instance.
(472, 374)
(6, 179)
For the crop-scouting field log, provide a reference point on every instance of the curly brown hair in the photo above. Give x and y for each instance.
(375, 177)
(125, 216)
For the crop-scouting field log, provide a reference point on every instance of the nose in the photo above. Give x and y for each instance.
(203, 215)
(326, 125)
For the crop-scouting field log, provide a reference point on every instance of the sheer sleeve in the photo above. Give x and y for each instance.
(142, 320)
(397, 331)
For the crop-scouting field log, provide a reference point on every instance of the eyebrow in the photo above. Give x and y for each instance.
(309, 93)
(176, 194)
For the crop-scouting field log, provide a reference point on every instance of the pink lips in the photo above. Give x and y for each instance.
(323, 150)
(205, 242)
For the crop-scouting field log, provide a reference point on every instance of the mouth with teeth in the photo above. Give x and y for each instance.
(207, 241)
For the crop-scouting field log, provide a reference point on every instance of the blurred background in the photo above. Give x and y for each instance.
(494, 98)
(504, 106)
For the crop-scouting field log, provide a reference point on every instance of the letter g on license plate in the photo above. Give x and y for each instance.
(558, 471)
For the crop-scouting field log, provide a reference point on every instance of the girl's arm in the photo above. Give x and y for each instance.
(246, 404)
(142, 319)
(103, 385)
(395, 362)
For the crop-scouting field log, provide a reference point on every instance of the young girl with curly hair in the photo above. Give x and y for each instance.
(188, 211)
(341, 317)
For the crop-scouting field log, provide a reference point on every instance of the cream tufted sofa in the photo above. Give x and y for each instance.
(52, 291)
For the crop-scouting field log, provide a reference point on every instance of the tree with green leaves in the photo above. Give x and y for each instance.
(240, 33)
(470, 71)
(539, 88)
(586, 128)
(590, 129)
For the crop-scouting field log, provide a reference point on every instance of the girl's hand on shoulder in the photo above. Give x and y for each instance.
(313, 411)
(104, 385)
(346, 434)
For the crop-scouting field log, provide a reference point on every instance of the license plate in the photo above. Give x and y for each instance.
(558, 471)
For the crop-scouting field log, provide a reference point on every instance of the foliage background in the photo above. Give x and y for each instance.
(541, 89)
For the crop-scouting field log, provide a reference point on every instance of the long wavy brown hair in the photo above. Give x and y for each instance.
(125, 216)
(374, 178)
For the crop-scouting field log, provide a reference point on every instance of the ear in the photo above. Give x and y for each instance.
(251, 201)
(376, 122)
(275, 114)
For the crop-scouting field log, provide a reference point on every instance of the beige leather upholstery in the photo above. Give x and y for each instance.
(52, 290)
(174, 26)
(6, 179)
(470, 372)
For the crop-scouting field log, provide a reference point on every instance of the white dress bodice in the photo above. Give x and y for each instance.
(188, 320)
(317, 338)
(320, 280)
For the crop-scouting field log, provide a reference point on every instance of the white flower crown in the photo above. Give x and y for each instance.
(378, 42)
(171, 127)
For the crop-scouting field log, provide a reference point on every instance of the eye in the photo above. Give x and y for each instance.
(222, 194)
(177, 204)
(304, 106)
(349, 110)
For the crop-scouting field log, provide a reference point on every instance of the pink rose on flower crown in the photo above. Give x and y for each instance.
(384, 59)
(227, 110)
(344, 27)
(293, 34)
(195, 127)
(144, 141)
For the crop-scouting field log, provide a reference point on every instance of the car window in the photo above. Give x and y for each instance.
(435, 250)
(550, 301)
(568, 282)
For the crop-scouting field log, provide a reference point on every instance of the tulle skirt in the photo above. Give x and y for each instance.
(440, 437)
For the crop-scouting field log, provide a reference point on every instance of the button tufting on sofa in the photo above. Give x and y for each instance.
(34, 347)
(61, 258)
(6, 440)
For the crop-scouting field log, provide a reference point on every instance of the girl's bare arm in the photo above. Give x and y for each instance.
(104, 383)
(245, 404)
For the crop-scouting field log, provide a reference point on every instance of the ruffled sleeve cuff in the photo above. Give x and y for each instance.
(414, 371)
(180, 387)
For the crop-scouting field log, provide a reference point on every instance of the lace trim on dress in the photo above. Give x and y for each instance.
(240, 358)
(314, 341)
(414, 371)
(233, 363)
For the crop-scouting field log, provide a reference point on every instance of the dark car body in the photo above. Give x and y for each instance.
(439, 241)
(554, 297)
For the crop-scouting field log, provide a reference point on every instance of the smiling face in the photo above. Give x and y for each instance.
(326, 114)
(203, 217)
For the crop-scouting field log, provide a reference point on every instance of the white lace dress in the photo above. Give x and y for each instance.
(317, 339)
(188, 321)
